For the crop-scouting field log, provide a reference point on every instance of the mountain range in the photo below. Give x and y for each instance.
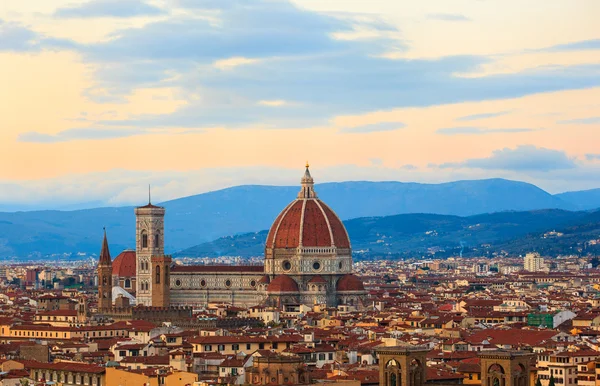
(201, 218)
(553, 231)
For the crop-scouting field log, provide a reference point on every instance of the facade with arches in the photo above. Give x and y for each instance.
(506, 368)
(407, 366)
(402, 365)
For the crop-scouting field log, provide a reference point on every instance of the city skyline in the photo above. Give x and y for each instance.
(101, 98)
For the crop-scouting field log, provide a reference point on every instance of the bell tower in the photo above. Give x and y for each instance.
(150, 227)
(104, 277)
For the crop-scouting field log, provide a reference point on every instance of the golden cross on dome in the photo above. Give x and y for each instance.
(307, 164)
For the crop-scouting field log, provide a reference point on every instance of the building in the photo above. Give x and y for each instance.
(549, 319)
(534, 262)
(308, 260)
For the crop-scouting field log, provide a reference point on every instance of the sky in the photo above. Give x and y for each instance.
(100, 98)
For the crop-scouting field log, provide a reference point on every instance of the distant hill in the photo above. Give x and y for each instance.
(205, 217)
(421, 233)
(583, 200)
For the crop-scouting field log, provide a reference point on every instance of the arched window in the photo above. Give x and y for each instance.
(157, 241)
(158, 274)
(104, 280)
(166, 274)
(144, 239)
(127, 283)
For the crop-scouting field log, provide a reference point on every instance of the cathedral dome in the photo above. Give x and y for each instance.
(124, 264)
(283, 283)
(307, 222)
(350, 283)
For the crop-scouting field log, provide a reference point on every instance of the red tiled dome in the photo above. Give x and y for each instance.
(124, 265)
(282, 283)
(350, 283)
(317, 280)
(264, 280)
(307, 222)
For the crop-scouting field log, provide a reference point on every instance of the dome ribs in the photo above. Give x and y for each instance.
(316, 231)
(288, 233)
(340, 236)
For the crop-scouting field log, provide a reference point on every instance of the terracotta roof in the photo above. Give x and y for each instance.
(282, 283)
(124, 265)
(350, 283)
(317, 279)
(64, 366)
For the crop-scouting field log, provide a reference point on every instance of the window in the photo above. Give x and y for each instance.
(156, 241)
(235, 347)
(207, 347)
(158, 274)
(221, 347)
(248, 346)
(122, 353)
(127, 283)
(166, 274)
(321, 357)
(330, 356)
(144, 239)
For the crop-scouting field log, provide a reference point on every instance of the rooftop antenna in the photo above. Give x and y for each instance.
(149, 196)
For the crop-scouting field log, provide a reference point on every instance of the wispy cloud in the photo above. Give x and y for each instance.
(109, 8)
(575, 46)
(15, 37)
(375, 127)
(447, 17)
(592, 157)
(522, 158)
(475, 117)
(80, 134)
(479, 130)
(275, 103)
(582, 121)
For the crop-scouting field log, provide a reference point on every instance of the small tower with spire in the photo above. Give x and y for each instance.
(105, 277)
(308, 185)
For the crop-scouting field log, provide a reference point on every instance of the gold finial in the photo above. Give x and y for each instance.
(307, 165)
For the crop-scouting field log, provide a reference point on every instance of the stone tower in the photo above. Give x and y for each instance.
(82, 310)
(160, 281)
(506, 368)
(402, 366)
(150, 225)
(105, 277)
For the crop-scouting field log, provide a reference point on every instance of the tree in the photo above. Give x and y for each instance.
(538, 382)
(552, 381)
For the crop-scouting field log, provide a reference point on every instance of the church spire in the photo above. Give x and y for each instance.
(308, 185)
(105, 253)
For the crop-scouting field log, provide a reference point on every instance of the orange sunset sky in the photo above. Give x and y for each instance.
(100, 98)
